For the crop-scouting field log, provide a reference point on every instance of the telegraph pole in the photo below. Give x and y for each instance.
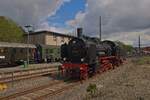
(100, 28)
(139, 44)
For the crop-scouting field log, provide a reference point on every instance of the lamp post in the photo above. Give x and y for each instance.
(28, 27)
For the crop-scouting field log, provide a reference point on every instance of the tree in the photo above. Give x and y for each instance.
(10, 31)
(127, 48)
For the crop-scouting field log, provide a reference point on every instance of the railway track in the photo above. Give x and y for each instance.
(25, 74)
(41, 92)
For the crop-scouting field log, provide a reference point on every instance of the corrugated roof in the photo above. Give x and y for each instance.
(16, 45)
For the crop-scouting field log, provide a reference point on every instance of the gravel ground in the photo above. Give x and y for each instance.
(127, 82)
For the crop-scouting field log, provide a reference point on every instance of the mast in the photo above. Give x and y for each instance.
(100, 29)
(139, 44)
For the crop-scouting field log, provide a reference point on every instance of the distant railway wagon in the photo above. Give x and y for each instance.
(16, 53)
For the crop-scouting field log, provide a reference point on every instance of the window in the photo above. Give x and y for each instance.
(50, 50)
(69, 39)
(46, 51)
(63, 39)
(54, 38)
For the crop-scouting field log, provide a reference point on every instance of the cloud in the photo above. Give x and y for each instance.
(45, 26)
(120, 18)
(130, 38)
(78, 19)
(29, 11)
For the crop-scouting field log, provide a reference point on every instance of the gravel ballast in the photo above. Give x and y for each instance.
(127, 82)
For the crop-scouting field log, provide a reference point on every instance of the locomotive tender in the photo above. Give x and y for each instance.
(85, 56)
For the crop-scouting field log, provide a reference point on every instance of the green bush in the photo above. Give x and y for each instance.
(92, 90)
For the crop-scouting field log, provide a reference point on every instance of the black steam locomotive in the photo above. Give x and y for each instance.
(85, 56)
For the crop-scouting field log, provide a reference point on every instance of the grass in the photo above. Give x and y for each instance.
(142, 60)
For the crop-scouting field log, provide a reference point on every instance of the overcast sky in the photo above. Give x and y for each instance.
(122, 20)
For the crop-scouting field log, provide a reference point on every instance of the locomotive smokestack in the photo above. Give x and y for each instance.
(79, 32)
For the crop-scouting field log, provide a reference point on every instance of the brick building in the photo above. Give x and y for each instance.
(49, 43)
(48, 38)
(146, 50)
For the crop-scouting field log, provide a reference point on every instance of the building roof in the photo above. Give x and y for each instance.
(146, 49)
(50, 32)
(16, 45)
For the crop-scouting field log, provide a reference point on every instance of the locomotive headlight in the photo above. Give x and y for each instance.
(82, 59)
(64, 59)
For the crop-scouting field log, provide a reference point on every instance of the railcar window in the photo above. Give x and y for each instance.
(14, 50)
(30, 50)
(2, 50)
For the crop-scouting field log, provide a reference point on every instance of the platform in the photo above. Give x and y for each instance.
(31, 66)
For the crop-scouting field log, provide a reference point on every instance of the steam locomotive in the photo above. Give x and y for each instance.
(84, 56)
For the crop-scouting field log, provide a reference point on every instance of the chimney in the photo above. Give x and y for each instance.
(79, 32)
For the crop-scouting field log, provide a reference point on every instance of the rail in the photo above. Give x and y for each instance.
(50, 89)
(28, 91)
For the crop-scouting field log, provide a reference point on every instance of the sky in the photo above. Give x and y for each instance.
(67, 12)
(122, 20)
